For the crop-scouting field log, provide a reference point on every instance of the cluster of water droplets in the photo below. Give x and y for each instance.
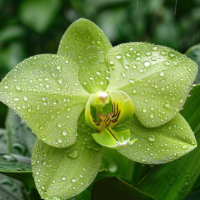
(44, 95)
(157, 79)
(70, 172)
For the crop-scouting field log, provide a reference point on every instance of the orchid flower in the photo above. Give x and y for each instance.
(91, 95)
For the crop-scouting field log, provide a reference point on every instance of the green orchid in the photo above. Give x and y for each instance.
(91, 95)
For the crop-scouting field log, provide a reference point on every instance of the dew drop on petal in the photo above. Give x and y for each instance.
(151, 138)
(18, 87)
(147, 64)
(162, 73)
(151, 115)
(73, 180)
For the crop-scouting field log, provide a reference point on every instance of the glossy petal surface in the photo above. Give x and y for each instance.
(44, 90)
(87, 45)
(65, 172)
(158, 145)
(156, 78)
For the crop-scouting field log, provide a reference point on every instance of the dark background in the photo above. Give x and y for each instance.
(33, 27)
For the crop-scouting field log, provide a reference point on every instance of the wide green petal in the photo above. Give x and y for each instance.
(87, 45)
(156, 78)
(44, 90)
(159, 145)
(65, 172)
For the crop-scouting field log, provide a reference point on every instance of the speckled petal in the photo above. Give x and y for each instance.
(87, 45)
(44, 90)
(158, 145)
(156, 78)
(66, 172)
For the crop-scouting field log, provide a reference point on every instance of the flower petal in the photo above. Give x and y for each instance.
(158, 145)
(65, 172)
(44, 90)
(156, 78)
(87, 45)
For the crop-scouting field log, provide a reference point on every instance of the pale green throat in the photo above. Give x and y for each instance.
(122, 110)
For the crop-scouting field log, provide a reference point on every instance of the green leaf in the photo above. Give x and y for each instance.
(38, 14)
(44, 90)
(114, 188)
(174, 180)
(10, 189)
(18, 167)
(66, 172)
(87, 45)
(20, 137)
(158, 145)
(3, 140)
(156, 78)
(191, 111)
(194, 54)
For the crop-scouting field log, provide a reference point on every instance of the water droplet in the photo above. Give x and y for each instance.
(151, 115)
(138, 58)
(59, 80)
(154, 58)
(29, 109)
(112, 63)
(184, 147)
(167, 104)
(16, 99)
(166, 63)
(25, 98)
(134, 91)
(147, 64)
(148, 53)
(41, 127)
(43, 187)
(56, 198)
(18, 87)
(171, 54)
(63, 178)
(72, 154)
(132, 80)
(55, 102)
(163, 53)
(118, 57)
(64, 132)
(154, 48)
(151, 138)
(144, 109)
(162, 73)
(43, 138)
(59, 140)
(68, 99)
(59, 124)
(73, 180)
